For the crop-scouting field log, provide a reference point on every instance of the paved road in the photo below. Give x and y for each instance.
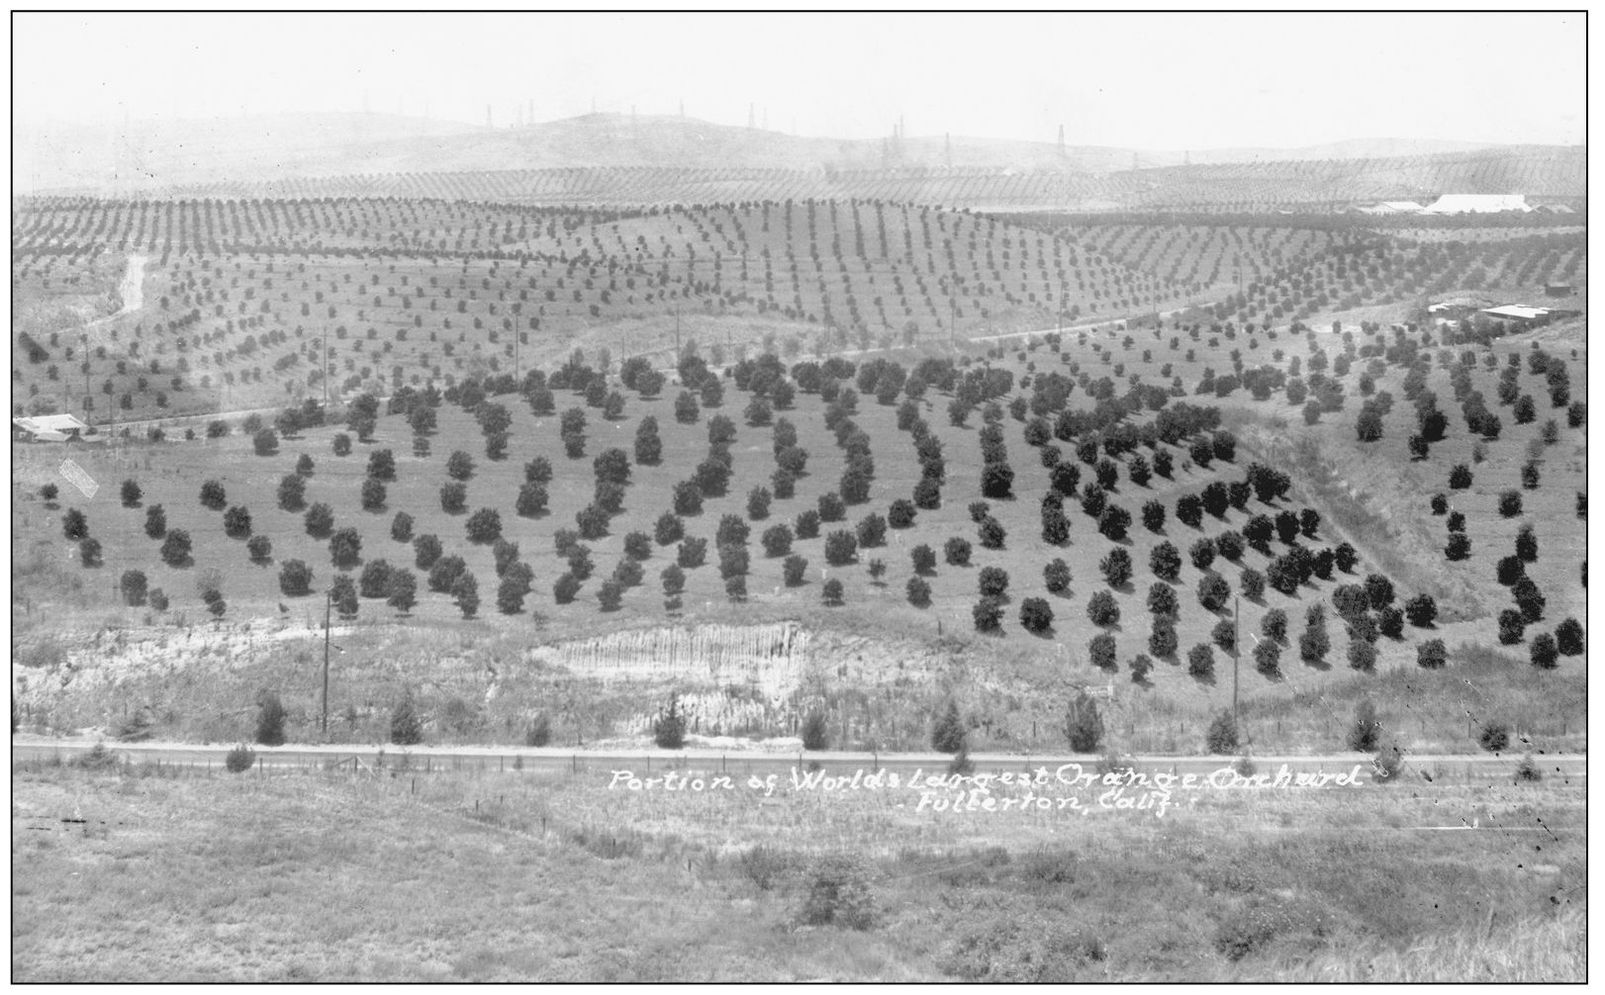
(1569, 767)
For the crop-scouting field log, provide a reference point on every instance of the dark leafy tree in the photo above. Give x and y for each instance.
(841, 548)
(957, 551)
(992, 533)
(833, 593)
(1116, 567)
(1162, 600)
(1273, 625)
(427, 550)
(1213, 591)
(1056, 576)
(1102, 609)
(295, 579)
(1431, 654)
(1165, 561)
(484, 526)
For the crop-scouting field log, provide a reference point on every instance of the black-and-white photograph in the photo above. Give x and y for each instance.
(809, 497)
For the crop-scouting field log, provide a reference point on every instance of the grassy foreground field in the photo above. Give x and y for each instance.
(524, 876)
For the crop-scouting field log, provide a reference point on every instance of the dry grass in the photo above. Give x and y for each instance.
(549, 876)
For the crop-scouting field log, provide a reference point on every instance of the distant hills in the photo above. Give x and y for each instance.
(272, 152)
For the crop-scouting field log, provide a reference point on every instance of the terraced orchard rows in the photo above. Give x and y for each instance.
(1038, 498)
(246, 303)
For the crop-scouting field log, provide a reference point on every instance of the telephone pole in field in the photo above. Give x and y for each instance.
(1237, 654)
(328, 604)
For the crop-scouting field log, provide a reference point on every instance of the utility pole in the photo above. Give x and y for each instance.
(328, 604)
(1237, 653)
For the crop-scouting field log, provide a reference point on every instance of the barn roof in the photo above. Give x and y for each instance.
(1477, 203)
(50, 423)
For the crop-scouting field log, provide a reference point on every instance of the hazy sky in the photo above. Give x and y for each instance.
(1161, 81)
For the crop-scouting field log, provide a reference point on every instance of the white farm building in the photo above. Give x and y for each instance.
(1477, 203)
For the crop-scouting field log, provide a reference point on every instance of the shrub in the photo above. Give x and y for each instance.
(1221, 739)
(831, 507)
(1268, 657)
(1102, 609)
(1224, 635)
(270, 719)
(1083, 725)
(1543, 651)
(155, 521)
(1569, 637)
(807, 526)
(919, 592)
(948, 734)
(1114, 522)
(734, 561)
(239, 760)
(871, 530)
(406, 727)
(345, 548)
(1459, 547)
(1422, 610)
(1037, 616)
(841, 548)
(1494, 736)
(692, 552)
(1056, 576)
(924, 559)
(1431, 654)
(1162, 600)
(341, 444)
(1213, 590)
(993, 581)
(673, 579)
(1314, 643)
(1201, 660)
(1459, 477)
(1140, 666)
(839, 894)
(1202, 553)
(1527, 771)
(1165, 561)
(212, 496)
(484, 526)
(1153, 516)
(1362, 655)
(295, 579)
(832, 592)
(453, 497)
(610, 594)
(1253, 584)
(815, 733)
(957, 551)
(1162, 641)
(992, 533)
